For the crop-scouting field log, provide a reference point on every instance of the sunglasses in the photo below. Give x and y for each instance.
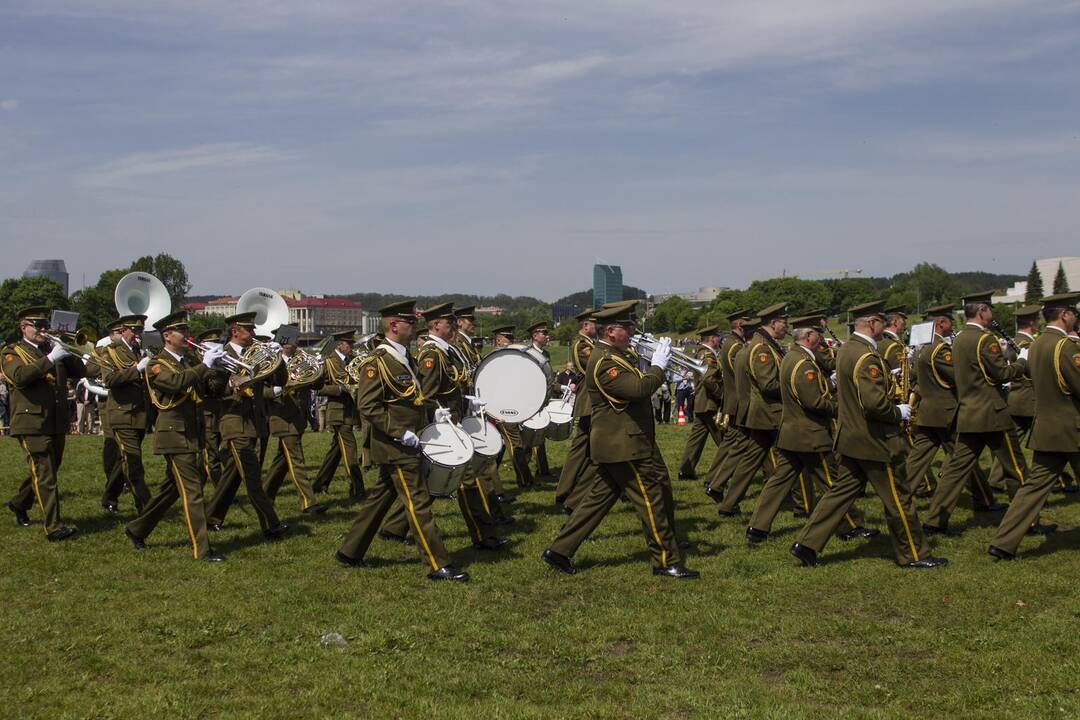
(40, 324)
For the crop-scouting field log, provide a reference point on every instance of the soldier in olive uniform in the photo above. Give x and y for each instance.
(760, 363)
(935, 422)
(871, 449)
(215, 387)
(540, 336)
(173, 384)
(740, 327)
(622, 442)
(981, 370)
(511, 432)
(577, 471)
(288, 419)
(708, 397)
(391, 405)
(240, 434)
(110, 452)
(1055, 435)
(804, 443)
(126, 407)
(36, 372)
(341, 418)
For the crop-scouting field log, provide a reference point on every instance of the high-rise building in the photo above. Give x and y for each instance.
(607, 284)
(55, 270)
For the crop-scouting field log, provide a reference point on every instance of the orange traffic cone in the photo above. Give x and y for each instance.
(682, 417)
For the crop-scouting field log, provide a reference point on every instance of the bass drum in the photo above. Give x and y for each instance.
(512, 384)
(534, 430)
(447, 451)
(486, 440)
(561, 414)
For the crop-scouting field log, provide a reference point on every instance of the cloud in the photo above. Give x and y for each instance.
(164, 162)
(9, 104)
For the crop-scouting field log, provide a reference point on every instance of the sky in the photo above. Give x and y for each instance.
(487, 146)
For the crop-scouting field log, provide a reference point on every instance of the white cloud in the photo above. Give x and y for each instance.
(9, 104)
(163, 162)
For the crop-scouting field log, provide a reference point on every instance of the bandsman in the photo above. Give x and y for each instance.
(341, 418)
(540, 336)
(708, 397)
(110, 452)
(577, 471)
(511, 432)
(740, 326)
(215, 387)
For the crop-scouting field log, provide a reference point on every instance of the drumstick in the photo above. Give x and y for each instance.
(429, 443)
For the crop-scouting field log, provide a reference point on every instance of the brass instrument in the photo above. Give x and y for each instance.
(80, 353)
(258, 361)
(645, 344)
(86, 336)
(352, 368)
(304, 370)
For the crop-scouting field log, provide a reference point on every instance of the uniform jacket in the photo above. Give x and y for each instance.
(580, 352)
(288, 412)
(389, 402)
(1021, 390)
(981, 371)
(868, 426)
(340, 405)
(622, 424)
(1055, 368)
(732, 344)
(440, 380)
(37, 389)
(174, 387)
(766, 405)
(937, 385)
(127, 402)
(243, 413)
(809, 408)
(741, 369)
(709, 393)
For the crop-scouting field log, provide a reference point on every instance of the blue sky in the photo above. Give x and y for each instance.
(483, 146)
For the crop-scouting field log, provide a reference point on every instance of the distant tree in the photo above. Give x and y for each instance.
(674, 315)
(1061, 283)
(1034, 291)
(96, 306)
(19, 293)
(927, 284)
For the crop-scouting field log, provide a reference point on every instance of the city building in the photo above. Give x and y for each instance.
(313, 315)
(563, 312)
(55, 270)
(1048, 268)
(607, 284)
(489, 310)
(697, 298)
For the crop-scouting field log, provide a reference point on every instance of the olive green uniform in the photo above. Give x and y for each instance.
(341, 418)
(125, 410)
(210, 407)
(39, 419)
(174, 386)
(110, 452)
(708, 397)
(982, 419)
(730, 436)
(287, 415)
(1055, 435)
(871, 449)
(1021, 399)
(577, 454)
(622, 442)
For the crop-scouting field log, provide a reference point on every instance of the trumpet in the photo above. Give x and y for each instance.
(231, 364)
(645, 344)
(80, 353)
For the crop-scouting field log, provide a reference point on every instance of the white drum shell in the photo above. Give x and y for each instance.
(561, 414)
(534, 430)
(512, 384)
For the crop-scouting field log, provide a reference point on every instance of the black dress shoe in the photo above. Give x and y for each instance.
(859, 532)
(1070, 488)
(399, 539)
(804, 555)
(1000, 554)
(684, 544)
(927, 562)
(678, 571)
(506, 498)
(728, 513)
(214, 527)
(21, 518)
(923, 494)
(449, 572)
(1041, 529)
(687, 475)
(350, 562)
(276, 532)
(491, 543)
(502, 519)
(110, 507)
(358, 495)
(559, 562)
(935, 530)
(213, 557)
(62, 534)
(316, 509)
(799, 513)
(716, 495)
(136, 542)
(992, 507)
(756, 536)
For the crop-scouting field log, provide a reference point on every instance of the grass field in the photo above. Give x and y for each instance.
(93, 630)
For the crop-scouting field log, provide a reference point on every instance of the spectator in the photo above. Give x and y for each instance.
(84, 409)
(3, 408)
(665, 403)
(567, 376)
(71, 407)
(684, 395)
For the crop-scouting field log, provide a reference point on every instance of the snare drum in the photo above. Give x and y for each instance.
(447, 450)
(486, 440)
(534, 429)
(512, 384)
(561, 414)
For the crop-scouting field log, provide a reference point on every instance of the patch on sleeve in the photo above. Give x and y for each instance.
(1076, 360)
(156, 369)
(587, 351)
(995, 349)
(875, 372)
(763, 358)
(947, 357)
(9, 358)
(370, 373)
(811, 375)
(428, 364)
(613, 373)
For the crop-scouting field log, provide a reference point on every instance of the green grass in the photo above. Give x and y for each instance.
(93, 630)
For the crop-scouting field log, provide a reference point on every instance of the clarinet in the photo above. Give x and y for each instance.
(1009, 342)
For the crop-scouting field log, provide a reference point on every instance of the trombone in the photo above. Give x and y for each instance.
(78, 352)
(645, 344)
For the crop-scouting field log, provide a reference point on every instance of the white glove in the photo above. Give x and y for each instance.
(57, 354)
(566, 388)
(905, 411)
(409, 439)
(832, 378)
(212, 355)
(142, 364)
(97, 390)
(661, 356)
(278, 390)
(896, 372)
(1023, 354)
(442, 415)
(213, 345)
(273, 345)
(475, 403)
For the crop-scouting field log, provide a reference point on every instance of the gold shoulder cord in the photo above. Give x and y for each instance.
(188, 394)
(616, 404)
(978, 358)
(25, 357)
(454, 375)
(390, 384)
(791, 380)
(855, 374)
(933, 368)
(116, 361)
(1062, 385)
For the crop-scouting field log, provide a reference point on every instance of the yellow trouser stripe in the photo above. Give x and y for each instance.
(239, 465)
(1012, 455)
(828, 483)
(802, 486)
(483, 495)
(123, 459)
(772, 457)
(184, 503)
(474, 527)
(649, 512)
(33, 476)
(900, 511)
(416, 523)
(509, 443)
(292, 474)
(344, 455)
(979, 483)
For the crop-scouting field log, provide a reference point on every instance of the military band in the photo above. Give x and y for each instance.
(341, 418)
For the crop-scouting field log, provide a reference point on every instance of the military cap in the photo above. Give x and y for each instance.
(945, 310)
(402, 308)
(208, 336)
(173, 321)
(1031, 310)
(708, 331)
(468, 312)
(35, 313)
(115, 325)
(244, 319)
(618, 304)
(773, 312)
(344, 335)
(264, 338)
(981, 297)
(586, 314)
(752, 323)
(541, 326)
(135, 322)
(620, 314)
(874, 307)
(442, 311)
(739, 314)
(896, 310)
(507, 330)
(812, 321)
(1061, 300)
